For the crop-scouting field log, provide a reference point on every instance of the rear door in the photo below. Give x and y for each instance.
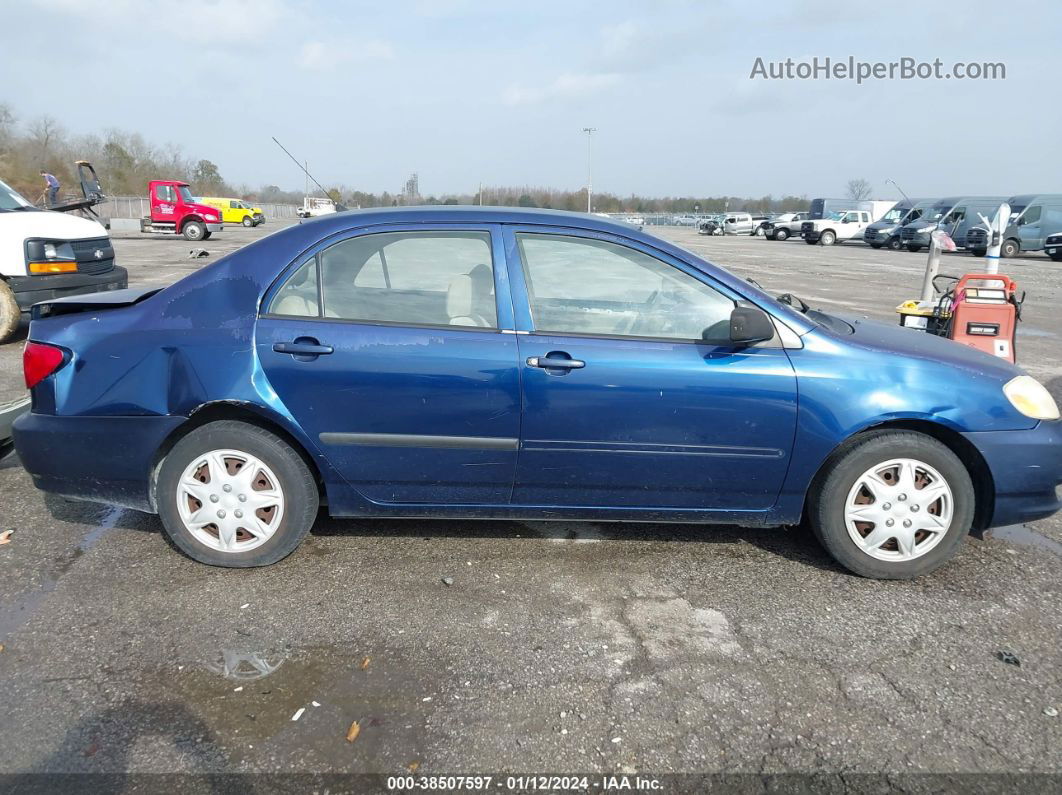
(387, 348)
(626, 404)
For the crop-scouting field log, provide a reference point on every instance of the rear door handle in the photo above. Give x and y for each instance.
(549, 362)
(303, 347)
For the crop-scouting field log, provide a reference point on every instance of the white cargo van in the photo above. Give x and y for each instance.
(45, 254)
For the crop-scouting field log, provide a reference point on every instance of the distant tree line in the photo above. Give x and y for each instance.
(126, 162)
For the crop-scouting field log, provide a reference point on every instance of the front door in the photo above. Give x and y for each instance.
(633, 396)
(386, 348)
(1030, 231)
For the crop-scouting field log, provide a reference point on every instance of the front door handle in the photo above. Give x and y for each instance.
(551, 362)
(303, 346)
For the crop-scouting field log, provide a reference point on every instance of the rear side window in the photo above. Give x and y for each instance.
(411, 278)
(299, 296)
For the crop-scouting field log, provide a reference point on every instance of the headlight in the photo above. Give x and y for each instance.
(38, 250)
(1030, 397)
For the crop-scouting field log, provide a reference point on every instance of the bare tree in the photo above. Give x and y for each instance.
(859, 189)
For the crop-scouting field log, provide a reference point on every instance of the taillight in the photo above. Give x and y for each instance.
(39, 361)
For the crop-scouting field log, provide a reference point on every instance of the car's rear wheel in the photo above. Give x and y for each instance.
(10, 314)
(781, 234)
(233, 494)
(892, 505)
(248, 221)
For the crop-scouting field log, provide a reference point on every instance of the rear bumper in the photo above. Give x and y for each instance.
(29, 290)
(1026, 467)
(101, 459)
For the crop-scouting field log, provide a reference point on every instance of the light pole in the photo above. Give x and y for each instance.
(589, 165)
(899, 189)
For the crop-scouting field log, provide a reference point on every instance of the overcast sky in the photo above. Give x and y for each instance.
(464, 91)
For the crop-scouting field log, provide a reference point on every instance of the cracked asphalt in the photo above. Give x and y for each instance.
(559, 647)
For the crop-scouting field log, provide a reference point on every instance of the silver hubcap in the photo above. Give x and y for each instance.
(899, 510)
(230, 501)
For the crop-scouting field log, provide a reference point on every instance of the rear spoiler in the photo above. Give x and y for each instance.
(72, 304)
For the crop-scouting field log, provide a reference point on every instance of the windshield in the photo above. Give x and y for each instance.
(894, 215)
(186, 195)
(10, 200)
(936, 212)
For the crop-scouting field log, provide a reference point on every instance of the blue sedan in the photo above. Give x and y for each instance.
(497, 363)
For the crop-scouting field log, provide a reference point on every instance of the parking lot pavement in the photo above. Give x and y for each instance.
(558, 647)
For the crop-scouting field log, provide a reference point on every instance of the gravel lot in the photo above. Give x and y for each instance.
(558, 648)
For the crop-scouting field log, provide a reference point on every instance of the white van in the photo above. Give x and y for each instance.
(46, 254)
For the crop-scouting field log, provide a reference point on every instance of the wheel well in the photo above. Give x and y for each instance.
(212, 412)
(970, 456)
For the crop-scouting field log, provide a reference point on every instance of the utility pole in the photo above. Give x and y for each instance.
(480, 194)
(589, 166)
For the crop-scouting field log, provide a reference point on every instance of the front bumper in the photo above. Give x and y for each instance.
(29, 290)
(215, 227)
(101, 459)
(259, 219)
(1026, 468)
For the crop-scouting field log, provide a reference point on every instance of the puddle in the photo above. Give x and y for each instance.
(1020, 534)
(248, 699)
(244, 666)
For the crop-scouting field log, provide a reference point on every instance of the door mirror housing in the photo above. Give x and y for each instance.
(749, 324)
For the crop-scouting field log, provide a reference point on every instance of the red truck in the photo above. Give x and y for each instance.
(174, 211)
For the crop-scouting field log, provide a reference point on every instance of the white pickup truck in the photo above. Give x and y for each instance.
(836, 227)
(46, 254)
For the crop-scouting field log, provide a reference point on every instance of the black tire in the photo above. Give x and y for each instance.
(1009, 248)
(296, 484)
(248, 221)
(978, 252)
(828, 237)
(781, 234)
(206, 235)
(1056, 257)
(810, 242)
(826, 502)
(913, 248)
(876, 245)
(894, 244)
(194, 230)
(10, 314)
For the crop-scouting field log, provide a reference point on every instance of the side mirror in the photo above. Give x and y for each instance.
(749, 324)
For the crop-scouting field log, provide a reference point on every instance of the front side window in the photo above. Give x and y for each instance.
(165, 193)
(585, 286)
(1032, 215)
(415, 278)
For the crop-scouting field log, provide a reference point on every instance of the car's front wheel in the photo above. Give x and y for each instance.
(781, 234)
(248, 221)
(892, 505)
(233, 494)
(194, 230)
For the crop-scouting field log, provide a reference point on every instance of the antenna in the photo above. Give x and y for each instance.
(339, 206)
